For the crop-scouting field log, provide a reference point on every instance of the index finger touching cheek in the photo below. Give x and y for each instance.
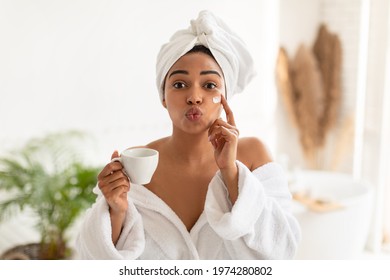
(228, 111)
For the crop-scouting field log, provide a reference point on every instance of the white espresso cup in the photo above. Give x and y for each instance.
(139, 164)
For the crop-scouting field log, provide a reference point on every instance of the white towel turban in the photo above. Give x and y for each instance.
(227, 48)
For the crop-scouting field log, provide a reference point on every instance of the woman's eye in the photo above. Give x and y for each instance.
(179, 85)
(210, 85)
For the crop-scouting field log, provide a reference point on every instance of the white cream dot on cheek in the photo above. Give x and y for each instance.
(217, 99)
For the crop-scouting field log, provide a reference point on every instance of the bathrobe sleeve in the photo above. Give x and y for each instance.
(260, 224)
(94, 239)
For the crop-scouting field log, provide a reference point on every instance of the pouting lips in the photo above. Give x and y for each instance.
(194, 113)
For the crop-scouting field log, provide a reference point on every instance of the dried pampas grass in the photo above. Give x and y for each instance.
(327, 49)
(285, 85)
(310, 86)
(308, 89)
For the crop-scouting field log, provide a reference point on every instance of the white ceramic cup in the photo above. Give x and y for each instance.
(139, 164)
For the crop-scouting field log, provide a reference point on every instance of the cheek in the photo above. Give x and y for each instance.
(217, 111)
(217, 99)
(171, 103)
(220, 109)
(173, 106)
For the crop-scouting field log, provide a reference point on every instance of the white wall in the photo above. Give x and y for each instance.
(89, 65)
(375, 166)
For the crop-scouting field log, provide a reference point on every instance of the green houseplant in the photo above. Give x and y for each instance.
(48, 177)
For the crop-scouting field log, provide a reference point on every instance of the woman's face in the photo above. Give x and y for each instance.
(190, 86)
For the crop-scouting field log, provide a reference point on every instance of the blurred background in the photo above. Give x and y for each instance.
(320, 102)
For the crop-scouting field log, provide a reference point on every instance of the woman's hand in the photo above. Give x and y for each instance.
(224, 138)
(114, 185)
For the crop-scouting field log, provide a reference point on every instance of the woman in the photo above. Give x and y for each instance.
(214, 195)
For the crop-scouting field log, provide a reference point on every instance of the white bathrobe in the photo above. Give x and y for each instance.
(258, 226)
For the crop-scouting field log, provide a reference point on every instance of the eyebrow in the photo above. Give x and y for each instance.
(206, 72)
(178, 72)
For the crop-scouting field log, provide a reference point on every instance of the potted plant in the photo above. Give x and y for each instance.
(48, 177)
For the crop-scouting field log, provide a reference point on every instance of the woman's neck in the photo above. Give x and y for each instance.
(190, 148)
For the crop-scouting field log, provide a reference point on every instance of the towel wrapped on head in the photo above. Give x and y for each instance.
(227, 48)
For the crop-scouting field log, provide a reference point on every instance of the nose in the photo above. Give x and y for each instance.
(194, 98)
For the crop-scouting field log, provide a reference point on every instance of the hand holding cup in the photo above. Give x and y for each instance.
(139, 164)
(136, 165)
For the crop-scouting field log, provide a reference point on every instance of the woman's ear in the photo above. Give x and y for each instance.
(164, 103)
